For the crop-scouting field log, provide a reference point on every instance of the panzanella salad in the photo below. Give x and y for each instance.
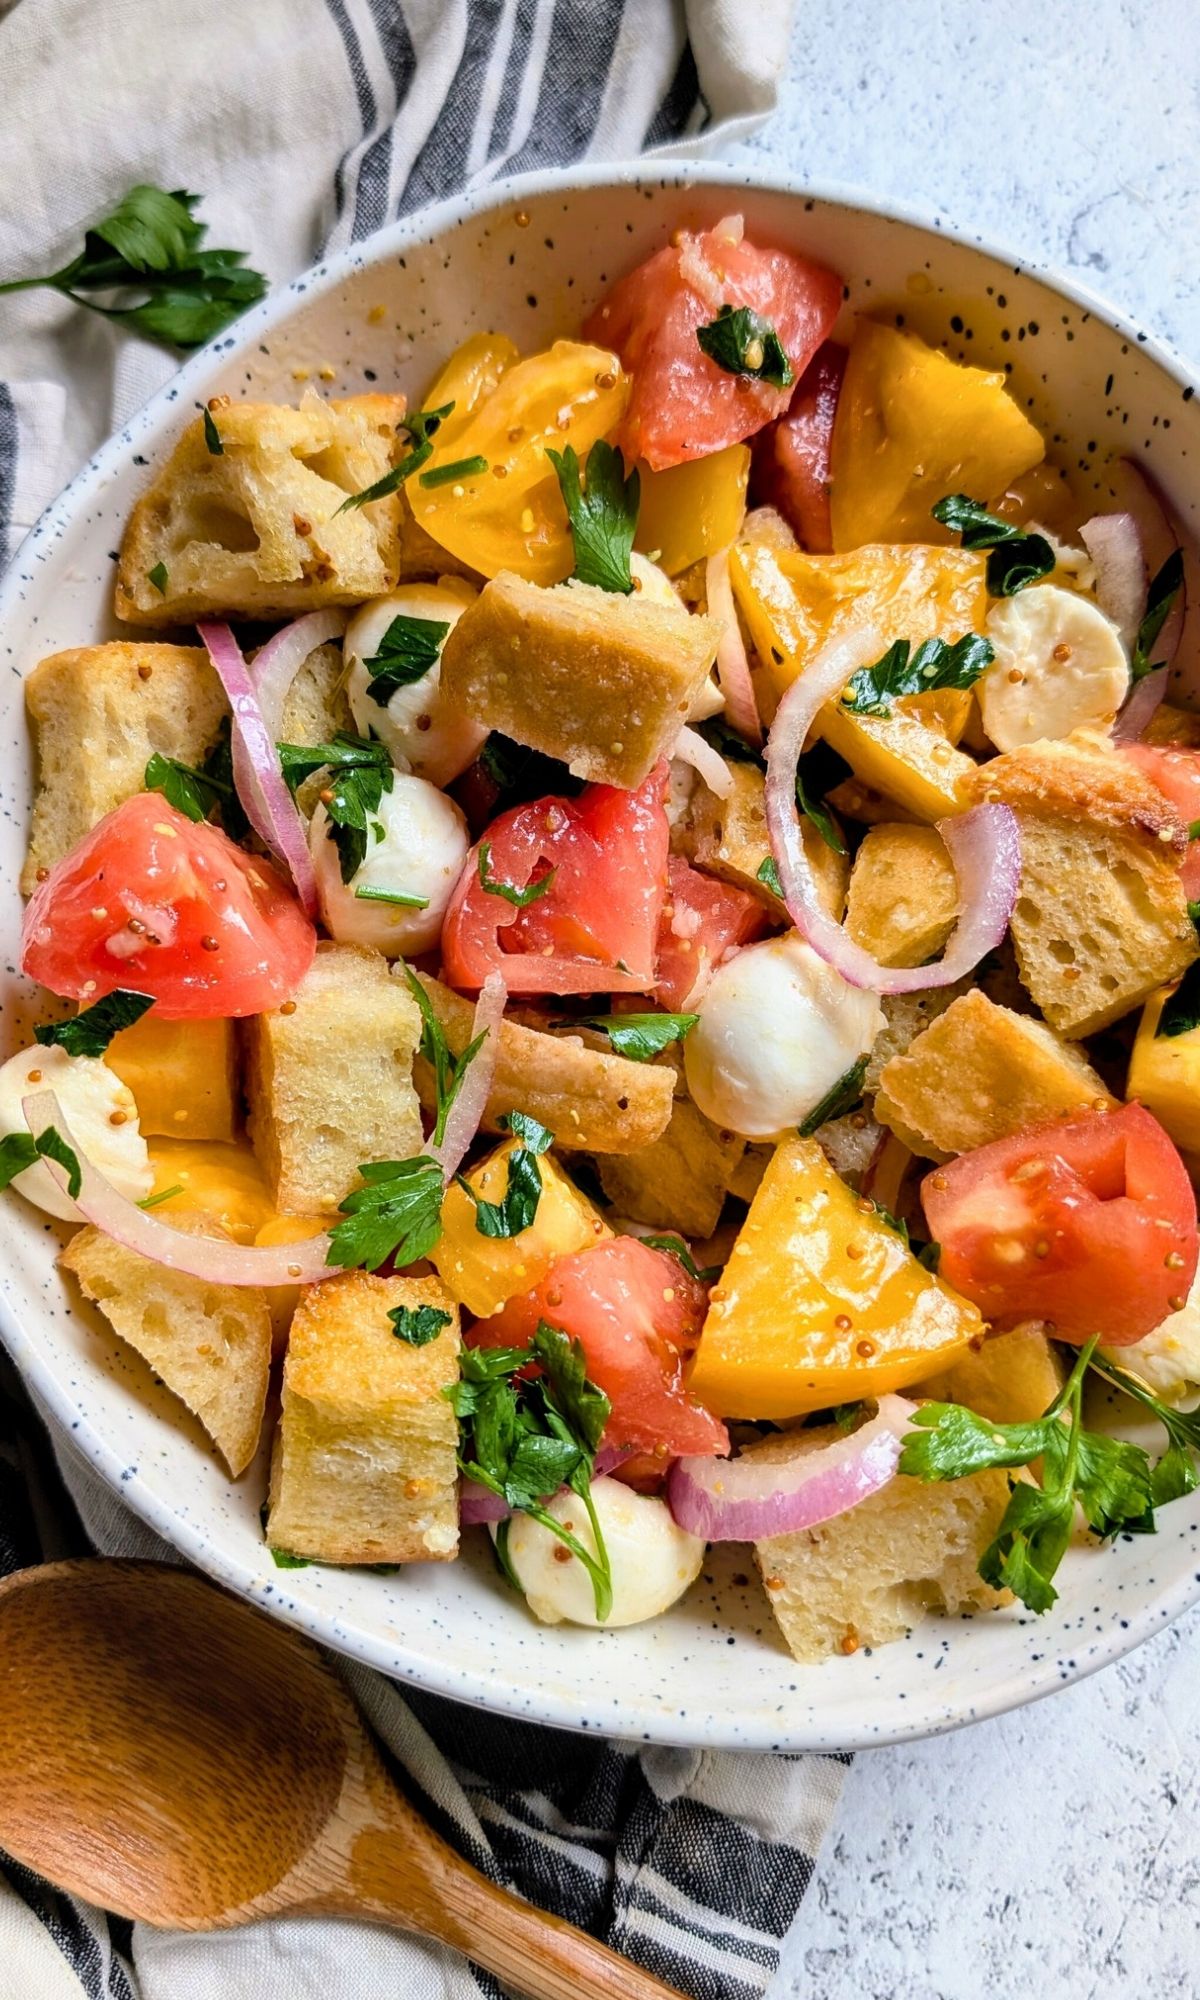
(631, 931)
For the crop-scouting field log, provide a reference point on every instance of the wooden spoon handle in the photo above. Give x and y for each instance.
(531, 1951)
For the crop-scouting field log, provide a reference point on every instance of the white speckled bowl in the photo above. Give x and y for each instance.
(713, 1672)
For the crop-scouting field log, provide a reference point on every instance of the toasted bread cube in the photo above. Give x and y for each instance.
(183, 1075)
(257, 529)
(315, 707)
(484, 1272)
(728, 838)
(210, 1344)
(906, 1015)
(592, 1101)
(99, 713)
(1010, 1378)
(869, 1575)
(1101, 918)
(364, 1468)
(679, 1182)
(903, 899)
(602, 681)
(330, 1082)
(980, 1072)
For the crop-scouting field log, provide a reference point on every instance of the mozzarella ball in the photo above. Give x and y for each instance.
(777, 1029)
(1059, 666)
(653, 1560)
(423, 731)
(421, 852)
(92, 1097)
(1167, 1359)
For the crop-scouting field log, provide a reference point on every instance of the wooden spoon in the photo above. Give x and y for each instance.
(172, 1754)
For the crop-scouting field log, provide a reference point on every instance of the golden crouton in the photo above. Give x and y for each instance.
(183, 1075)
(867, 1576)
(99, 713)
(315, 707)
(592, 1101)
(681, 1181)
(329, 1079)
(905, 1015)
(256, 529)
(1011, 1378)
(1101, 917)
(364, 1467)
(728, 838)
(903, 899)
(978, 1073)
(602, 681)
(210, 1344)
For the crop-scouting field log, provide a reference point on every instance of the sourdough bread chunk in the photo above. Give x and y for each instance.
(592, 1101)
(210, 1344)
(256, 529)
(681, 1180)
(330, 1081)
(903, 898)
(728, 838)
(1101, 917)
(869, 1575)
(316, 707)
(1010, 1378)
(99, 713)
(601, 681)
(906, 1015)
(978, 1073)
(183, 1075)
(364, 1468)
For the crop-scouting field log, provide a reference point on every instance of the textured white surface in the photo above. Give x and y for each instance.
(1057, 1849)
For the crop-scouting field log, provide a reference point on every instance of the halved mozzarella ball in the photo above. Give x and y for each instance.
(420, 853)
(423, 731)
(653, 1560)
(100, 1111)
(777, 1028)
(656, 587)
(1168, 1358)
(1059, 666)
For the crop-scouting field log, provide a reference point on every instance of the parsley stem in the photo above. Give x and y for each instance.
(460, 468)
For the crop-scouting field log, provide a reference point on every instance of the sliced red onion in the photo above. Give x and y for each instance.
(691, 747)
(733, 667)
(1139, 710)
(1115, 547)
(270, 807)
(746, 1500)
(207, 1257)
(983, 844)
(1133, 491)
(467, 1110)
(276, 664)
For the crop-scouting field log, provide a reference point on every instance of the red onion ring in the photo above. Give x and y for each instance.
(983, 844)
(1140, 708)
(1115, 547)
(269, 805)
(1134, 492)
(276, 664)
(733, 666)
(692, 749)
(207, 1257)
(744, 1500)
(467, 1110)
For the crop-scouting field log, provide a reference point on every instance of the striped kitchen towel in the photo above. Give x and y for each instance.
(314, 123)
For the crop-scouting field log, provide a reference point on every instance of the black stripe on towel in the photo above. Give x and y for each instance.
(8, 461)
(363, 93)
(374, 174)
(582, 43)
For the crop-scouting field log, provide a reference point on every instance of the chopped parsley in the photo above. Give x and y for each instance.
(193, 792)
(19, 1150)
(1160, 599)
(396, 1214)
(676, 1247)
(1181, 1010)
(407, 650)
(846, 1096)
(460, 468)
(767, 873)
(164, 1194)
(448, 1069)
(603, 513)
(519, 898)
(418, 1325)
(743, 343)
(1016, 558)
(360, 772)
(212, 436)
(90, 1032)
(524, 1191)
(641, 1037)
(159, 577)
(935, 664)
(520, 774)
(421, 426)
(365, 893)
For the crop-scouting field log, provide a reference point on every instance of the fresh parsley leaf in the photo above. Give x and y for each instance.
(150, 247)
(1194, 913)
(90, 1032)
(448, 1069)
(1160, 598)
(1017, 558)
(159, 577)
(192, 792)
(360, 772)
(676, 1247)
(818, 812)
(1176, 1472)
(743, 343)
(934, 665)
(1181, 1010)
(407, 650)
(283, 1559)
(893, 1222)
(726, 741)
(524, 1191)
(767, 872)
(459, 468)
(212, 436)
(421, 426)
(418, 1325)
(846, 1096)
(641, 1037)
(216, 775)
(19, 1150)
(520, 774)
(397, 1214)
(519, 898)
(930, 1255)
(603, 513)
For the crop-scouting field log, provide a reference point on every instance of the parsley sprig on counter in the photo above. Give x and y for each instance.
(602, 511)
(525, 1437)
(90, 1032)
(742, 342)
(1016, 558)
(360, 772)
(935, 664)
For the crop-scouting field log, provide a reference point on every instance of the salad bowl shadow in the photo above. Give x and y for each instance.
(530, 258)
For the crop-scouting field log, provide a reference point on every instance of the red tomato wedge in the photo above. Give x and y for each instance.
(1177, 773)
(638, 1316)
(791, 457)
(1089, 1224)
(155, 902)
(593, 930)
(703, 920)
(682, 404)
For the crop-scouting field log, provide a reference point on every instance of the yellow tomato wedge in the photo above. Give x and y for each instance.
(821, 1302)
(483, 1272)
(692, 510)
(223, 1181)
(471, 375)
(1164, 1074)
(912, 426)
(511, 516)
